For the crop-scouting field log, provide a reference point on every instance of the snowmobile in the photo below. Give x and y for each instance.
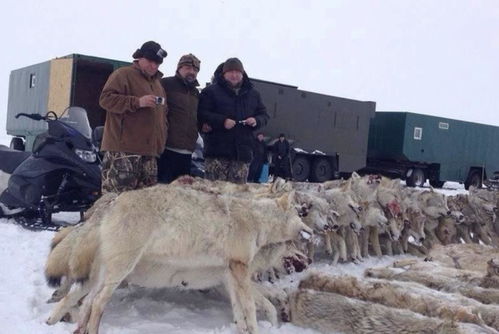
(61, 174)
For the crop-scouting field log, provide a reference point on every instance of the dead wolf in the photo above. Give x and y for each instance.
(185, 227)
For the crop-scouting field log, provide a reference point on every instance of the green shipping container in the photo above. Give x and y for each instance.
(445, 149)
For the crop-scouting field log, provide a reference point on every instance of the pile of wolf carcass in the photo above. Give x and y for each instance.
(198, 234)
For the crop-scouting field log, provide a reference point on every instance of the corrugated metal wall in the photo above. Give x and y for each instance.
(28, 93)
(319, 122)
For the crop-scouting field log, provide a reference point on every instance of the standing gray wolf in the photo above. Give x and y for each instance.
(189, 228)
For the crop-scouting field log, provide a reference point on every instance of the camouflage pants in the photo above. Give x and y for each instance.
(226, 170)
(124, 171)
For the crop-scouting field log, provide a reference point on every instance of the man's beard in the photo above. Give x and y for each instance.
(190, 79)
(234, 86)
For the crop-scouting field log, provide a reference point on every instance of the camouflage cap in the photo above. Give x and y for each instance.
(191, 60)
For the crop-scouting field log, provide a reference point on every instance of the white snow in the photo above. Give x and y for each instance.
(299, 150)
(23, 293)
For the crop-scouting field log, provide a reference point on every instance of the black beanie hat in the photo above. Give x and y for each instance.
(233, 64)
(152, 51)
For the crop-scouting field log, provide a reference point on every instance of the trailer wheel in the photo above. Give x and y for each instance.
(301, 168)
(321, 170)
(474, 179)
(416, 178)
(17, 144)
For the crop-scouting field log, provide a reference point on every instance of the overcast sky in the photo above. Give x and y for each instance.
(426, 56)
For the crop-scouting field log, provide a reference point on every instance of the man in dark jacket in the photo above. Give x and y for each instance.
(135, 128)
(230, 110)
(182, 100)
(281, 158)
(259, 158)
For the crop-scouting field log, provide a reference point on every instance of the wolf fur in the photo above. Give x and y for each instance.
(404, 296)
(446, 231)
(372, 216)
(61, 263)
(185, 227)
(464, 256)
(466, 277)
(331, 313)
(435, 277)
(74, 256)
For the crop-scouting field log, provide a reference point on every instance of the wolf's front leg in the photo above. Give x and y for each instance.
(343, 248)
(327, 243)
(311, 250)
(265, 306)
(364, 243)
(374, 238)
(356, 247)
(241, 296)
(335, 247)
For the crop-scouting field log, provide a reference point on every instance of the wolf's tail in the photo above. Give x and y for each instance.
(56, 266)
(60, 235)
(84, 251)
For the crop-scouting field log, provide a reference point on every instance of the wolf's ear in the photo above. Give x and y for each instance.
(286, 200)
(347, 186)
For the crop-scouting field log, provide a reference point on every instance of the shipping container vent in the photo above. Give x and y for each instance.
(32, 80)
(418, 133)
(329, 104)
(443, 126)
(281, 91)
(303, 95)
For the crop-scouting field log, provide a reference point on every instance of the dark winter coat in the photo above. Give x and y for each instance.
(182, 100)
(281, 148)
(218, 102)
(260, 152)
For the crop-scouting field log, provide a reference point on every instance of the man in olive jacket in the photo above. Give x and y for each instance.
(230, 110)
(183, 97)
(135, 128)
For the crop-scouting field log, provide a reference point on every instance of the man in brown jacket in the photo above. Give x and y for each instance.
(136, 125)
(182, 101)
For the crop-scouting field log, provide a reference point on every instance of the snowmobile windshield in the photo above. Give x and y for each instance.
(76, 117)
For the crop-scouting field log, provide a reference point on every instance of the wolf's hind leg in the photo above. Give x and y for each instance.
(70, 300)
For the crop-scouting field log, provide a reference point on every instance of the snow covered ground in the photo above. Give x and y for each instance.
(23, 293)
